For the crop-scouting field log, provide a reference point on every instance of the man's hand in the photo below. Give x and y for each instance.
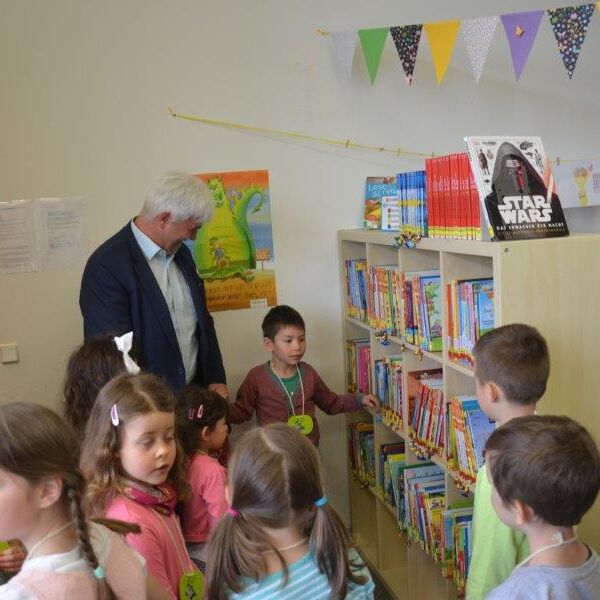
(12, 559)
(370, 401)
(220, 388)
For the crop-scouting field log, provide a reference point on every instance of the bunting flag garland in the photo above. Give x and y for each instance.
(478, 35)
(442, 38)
(521, 31)
(570, 27)
(373, 41)
(406, 39)
(344, 47)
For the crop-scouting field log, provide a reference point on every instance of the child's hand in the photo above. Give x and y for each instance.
(370, 401)
(12, 559)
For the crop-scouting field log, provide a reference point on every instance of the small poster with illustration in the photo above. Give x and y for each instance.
(578, 183)
(234, 251)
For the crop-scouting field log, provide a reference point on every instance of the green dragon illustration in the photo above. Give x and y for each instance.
(224, 246)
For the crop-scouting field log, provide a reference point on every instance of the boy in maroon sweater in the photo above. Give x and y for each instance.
(285, 389)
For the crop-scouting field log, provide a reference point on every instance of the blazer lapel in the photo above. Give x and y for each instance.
(152, 291)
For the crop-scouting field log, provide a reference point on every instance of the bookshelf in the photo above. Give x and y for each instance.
(552, 284)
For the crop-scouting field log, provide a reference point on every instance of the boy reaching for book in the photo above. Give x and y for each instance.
(511, 370)
(545, 475)
(286, 389)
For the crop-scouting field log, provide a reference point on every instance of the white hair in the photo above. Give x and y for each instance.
(184, 196)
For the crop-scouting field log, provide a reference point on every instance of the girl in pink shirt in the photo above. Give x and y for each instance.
(133, 463)
(40, 503)
(203, 430)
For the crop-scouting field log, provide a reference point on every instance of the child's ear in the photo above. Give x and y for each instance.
(50, 491)
(269, 346)
(523, 513)
(205, 433)
(491, 391)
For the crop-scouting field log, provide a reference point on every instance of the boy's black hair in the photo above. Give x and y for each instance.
(198, 408)
(281, 316)
(515, 357)
(549, 463)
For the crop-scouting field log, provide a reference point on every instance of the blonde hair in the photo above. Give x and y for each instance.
(36, 443)
(275, 478)
(133, 395)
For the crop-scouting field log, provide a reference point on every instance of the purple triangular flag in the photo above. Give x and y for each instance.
(521, 31)
(570, 25)
(406, 39)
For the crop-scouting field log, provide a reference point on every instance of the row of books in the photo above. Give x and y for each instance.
(409, 304)
(417, 494)
(356, 289)
(468, 431)
(470, 313)
(358, 360)
(427, 418)
(422, 323)
(388, 387)
(397, 203)
(457, 532)
(384, 302)
(362, 452)
(508, 179)
(452, 199)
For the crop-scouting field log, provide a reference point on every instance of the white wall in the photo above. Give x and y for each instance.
(83, 110)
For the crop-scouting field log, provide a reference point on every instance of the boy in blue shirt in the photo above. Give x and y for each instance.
(545, 475)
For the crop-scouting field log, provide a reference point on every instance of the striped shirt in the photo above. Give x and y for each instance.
(304, 581)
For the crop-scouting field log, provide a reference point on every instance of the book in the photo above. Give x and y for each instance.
(516, 187)
(378, 188)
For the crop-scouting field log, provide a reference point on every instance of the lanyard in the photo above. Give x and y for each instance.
(48, 536)
(560, 542)
(286, 391)
(175, 543)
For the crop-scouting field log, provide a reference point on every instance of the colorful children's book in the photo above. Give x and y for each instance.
(516, 187)
(378, 188)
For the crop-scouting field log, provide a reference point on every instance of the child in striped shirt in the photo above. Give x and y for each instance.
(280, 538)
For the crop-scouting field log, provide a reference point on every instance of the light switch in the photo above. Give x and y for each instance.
(9, 353)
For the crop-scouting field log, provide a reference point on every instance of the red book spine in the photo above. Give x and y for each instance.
(455, 197)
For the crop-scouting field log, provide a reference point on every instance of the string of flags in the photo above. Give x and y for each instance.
(569, 25)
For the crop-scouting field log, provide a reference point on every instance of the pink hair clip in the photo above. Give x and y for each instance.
(192, 414)
(234, 513)
(114, 415)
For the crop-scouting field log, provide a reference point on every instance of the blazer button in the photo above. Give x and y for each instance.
(180, 370)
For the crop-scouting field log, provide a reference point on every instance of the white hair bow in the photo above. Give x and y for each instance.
(124, 344)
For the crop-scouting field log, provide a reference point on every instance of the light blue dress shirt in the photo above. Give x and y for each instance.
(177, 295)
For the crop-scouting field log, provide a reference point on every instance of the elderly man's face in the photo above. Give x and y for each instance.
(175, 232)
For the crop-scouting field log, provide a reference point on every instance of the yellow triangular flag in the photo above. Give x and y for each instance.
(442, 37)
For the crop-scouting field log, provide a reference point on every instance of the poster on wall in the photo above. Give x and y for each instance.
(234, 251)
(578, 183)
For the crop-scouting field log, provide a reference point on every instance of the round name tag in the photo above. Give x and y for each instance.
(302, 423)
(191, 586)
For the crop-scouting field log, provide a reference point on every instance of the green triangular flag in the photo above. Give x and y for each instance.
(372, 42)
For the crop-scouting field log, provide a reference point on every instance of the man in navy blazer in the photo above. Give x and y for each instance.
(143, 279)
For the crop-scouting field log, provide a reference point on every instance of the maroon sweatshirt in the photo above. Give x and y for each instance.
(263, 394)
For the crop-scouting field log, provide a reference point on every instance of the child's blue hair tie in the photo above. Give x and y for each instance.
(99, 572)
(322, 501)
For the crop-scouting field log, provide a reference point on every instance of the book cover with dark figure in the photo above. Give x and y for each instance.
(516, 187)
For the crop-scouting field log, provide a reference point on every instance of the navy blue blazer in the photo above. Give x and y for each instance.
(119, 293)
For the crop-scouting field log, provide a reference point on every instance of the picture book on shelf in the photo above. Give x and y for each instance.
(377, 189)
(516, 187)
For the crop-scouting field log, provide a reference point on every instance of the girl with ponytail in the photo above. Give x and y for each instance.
(41, 488)
(281, 538)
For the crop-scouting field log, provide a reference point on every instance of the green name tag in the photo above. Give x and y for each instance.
(302, 423)
(191, 586)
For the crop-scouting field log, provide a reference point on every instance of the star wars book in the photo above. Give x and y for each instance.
(516, 188)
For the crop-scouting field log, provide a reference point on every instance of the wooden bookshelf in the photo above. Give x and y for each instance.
(552, 284)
